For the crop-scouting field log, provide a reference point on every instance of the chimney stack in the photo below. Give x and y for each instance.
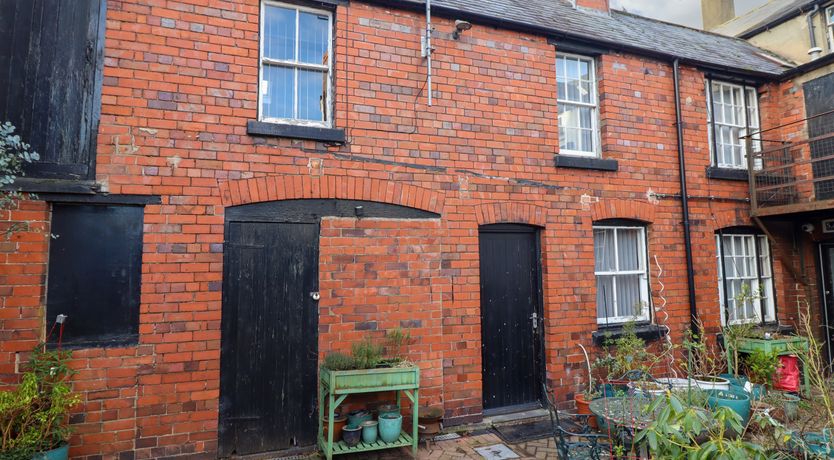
(717, 12)
(600, 5)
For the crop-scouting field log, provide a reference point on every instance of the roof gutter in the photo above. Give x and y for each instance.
(453, 13)
(687, 231)
(787, 16)
(807, 67)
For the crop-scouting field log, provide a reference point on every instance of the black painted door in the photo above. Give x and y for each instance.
(269, 340)
(819, 99)
(827, 275)
(510, 317)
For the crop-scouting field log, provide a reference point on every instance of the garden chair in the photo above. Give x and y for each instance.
(573, 436)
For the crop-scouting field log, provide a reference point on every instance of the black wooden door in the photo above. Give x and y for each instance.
(510, 317)
(819, 99)
(827, 275)
(269, 341)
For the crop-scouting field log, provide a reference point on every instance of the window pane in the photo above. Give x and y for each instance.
(279, 33)
(569, 138)
(605, 296)
(574, 93)
(604, 250)
(277, 92)
(628, 248)
(629, 302)
(312, 87)
(313, 33)
(585, 70)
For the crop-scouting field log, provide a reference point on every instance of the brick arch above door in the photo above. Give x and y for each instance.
(511, 213)
(274, 188)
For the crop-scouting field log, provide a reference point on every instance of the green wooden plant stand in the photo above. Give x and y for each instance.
(783, 346)
(335, 386)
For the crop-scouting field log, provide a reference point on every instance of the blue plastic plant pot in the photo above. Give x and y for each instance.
(390, 427)
(369, 431)
(759, 392)
(738, 402)
(59, 453)
(355, 418)
(739, 381)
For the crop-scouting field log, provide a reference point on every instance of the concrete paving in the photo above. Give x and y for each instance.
(464, 448)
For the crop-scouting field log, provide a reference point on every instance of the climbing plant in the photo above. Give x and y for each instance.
(14, 155)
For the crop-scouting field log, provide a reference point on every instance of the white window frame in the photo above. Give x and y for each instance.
(829, 26)
(750, 111)
(759, 278)
(642, 270)
(296, 65)
(594, 105)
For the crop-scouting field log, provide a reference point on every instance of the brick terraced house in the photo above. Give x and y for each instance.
(238, 187)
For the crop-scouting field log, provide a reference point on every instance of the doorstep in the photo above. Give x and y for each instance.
(516, 418)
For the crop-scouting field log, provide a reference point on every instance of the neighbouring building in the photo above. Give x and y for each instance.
(236, 188)
(799, 30)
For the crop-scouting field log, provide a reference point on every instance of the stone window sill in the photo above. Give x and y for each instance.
(714, 172)
(261, 128)
(647, 332)
(576, 162)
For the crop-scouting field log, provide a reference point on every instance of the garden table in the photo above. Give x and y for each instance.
(784, 346)
(336, 386)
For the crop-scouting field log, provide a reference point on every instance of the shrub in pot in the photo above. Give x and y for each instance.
(738, 402)
(761, 367)
(34, 416)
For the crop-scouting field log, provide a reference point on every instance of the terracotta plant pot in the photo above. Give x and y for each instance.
(583, 408)
(429, 418)
(339, 422)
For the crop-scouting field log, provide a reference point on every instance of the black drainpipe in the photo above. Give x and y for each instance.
(687, 237)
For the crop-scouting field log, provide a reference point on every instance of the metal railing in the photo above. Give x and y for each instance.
(792, 166)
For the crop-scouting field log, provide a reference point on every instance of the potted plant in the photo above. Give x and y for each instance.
(733, 335)
(34, 416)
(704, 362)
(761, 367)
(583, 397)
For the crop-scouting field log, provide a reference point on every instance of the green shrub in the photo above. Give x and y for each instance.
(34, 417)
(761, 366)
(339, 362)
(367, 354)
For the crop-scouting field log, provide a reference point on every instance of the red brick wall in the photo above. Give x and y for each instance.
(180, 83)
(377, 275)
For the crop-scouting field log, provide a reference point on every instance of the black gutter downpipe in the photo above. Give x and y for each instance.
(687, 237)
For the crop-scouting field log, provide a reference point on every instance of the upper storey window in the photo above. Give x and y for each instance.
(829, 26)
(577, 101)
(734, 113)
(296, 65)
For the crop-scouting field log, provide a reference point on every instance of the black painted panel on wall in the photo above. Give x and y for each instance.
(819, 99)
(95, 268)
(51, 55)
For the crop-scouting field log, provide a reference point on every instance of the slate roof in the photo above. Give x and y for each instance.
(762, 16)
(622, 29)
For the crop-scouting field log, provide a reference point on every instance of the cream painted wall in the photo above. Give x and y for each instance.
(790, 39)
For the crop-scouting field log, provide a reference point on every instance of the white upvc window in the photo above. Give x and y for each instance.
(745, 278)
(296, 65)
(733, 112)
(829, 27)
(621, 274)
(577, 100)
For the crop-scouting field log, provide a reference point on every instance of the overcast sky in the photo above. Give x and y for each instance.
(686, 12)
